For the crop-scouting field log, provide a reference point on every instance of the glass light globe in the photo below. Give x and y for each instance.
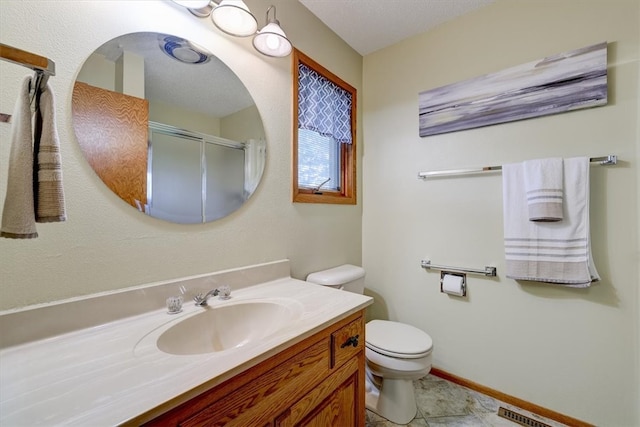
(192, 4)
(234, 17)
(272, 41)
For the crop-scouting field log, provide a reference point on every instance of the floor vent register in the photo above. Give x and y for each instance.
(519, 418)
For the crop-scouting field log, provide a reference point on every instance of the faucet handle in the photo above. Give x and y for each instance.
(224, 292)
(199, 298)
(174, 304)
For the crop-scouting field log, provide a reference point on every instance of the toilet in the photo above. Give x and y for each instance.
(397, 354)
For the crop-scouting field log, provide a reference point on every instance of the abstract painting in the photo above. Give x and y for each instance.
(555, 84)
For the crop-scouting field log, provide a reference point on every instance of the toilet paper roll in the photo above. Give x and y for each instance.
(453, 284)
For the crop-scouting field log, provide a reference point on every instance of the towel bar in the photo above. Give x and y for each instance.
(610, 159)
(487, 271)
(43, 67)
(27, 59)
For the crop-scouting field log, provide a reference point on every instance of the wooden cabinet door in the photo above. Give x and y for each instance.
(112, 130)
(338, 409)
(335, 402)
(256, 403)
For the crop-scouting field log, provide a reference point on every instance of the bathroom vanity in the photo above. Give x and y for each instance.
(319, 381)
(280, 352)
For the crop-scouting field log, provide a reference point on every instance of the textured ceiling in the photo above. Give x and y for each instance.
(370, 25)
(210, 88)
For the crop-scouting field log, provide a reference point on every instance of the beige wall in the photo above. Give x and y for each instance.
(106, 244)
(183, 119)
(242, 125)
(98, 71)
(573, 351)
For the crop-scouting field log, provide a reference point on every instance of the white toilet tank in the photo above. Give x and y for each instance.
(348, 277)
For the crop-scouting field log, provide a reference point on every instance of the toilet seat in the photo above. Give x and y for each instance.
(397, 340)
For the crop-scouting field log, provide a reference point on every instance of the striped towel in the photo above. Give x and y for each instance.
(18, 216)
(50, 204)
(543, 184)
(552, 252)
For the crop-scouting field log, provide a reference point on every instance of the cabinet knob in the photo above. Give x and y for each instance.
(351, 341)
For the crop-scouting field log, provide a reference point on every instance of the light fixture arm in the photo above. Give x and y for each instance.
(274, 20)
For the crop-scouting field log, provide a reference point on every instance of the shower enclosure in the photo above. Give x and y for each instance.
(195, 178)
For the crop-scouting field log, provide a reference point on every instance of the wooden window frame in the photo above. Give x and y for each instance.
(347, 193)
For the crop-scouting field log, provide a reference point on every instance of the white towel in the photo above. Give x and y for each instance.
(50, 198)
(18, 215)
(543, 184)
(553, 252)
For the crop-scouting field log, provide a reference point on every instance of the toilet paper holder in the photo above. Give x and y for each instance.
(460, 286)
(486, 271)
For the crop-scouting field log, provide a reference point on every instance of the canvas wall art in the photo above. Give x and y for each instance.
(555, 84)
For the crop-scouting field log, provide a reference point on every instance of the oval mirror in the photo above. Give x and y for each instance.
(168, 127)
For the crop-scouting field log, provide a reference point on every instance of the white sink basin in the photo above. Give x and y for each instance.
(227, 326)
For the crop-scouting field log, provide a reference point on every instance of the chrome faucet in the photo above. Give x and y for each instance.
(223, 292)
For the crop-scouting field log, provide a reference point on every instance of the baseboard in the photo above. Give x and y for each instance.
(523, 404)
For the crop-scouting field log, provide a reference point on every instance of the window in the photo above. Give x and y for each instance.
(324, 136)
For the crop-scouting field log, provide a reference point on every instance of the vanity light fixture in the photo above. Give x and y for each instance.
(271, 39)
(193, 4)
(230, 16)
(233, 17)
(200, 8)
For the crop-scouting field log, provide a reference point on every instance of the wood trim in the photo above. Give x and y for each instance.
(294, 123)
(511, 400)
(348, 194)
(27, 59)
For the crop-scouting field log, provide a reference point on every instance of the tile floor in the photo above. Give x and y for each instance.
(444, 404)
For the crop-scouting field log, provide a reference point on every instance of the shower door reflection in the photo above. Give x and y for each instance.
(193, 177)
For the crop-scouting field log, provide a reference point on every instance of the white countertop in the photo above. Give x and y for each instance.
(111, 373)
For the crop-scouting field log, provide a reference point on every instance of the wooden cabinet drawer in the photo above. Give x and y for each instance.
(347, 342)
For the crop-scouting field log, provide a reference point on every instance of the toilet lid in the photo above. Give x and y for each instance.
(397, 339)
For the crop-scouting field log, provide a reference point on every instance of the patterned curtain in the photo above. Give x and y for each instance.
(323, 106)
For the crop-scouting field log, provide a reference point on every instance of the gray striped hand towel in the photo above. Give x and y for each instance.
(50, 203)
(543, 184)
